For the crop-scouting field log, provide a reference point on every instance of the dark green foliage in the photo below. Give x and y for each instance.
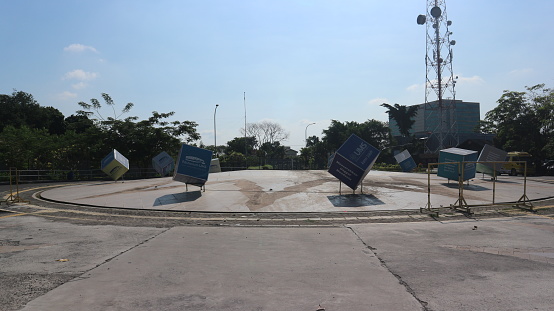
(524, 121)
(35, 137)
(21, 109)
(403, 116)
(238, 145)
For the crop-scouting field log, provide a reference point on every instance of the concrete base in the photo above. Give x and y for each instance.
(295, 191)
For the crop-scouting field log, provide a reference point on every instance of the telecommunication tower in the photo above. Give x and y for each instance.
(440, 113)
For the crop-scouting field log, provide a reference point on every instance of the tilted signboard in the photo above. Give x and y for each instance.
(353, 161)
(193, 165)
(406, 161)
(215, 166)
(490, 154)
(163, 163)
(457, 155)
(114, 165)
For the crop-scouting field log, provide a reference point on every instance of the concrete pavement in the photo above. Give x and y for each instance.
(492, 264)
(296, 191)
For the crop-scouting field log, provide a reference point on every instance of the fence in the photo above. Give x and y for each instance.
(461, 202)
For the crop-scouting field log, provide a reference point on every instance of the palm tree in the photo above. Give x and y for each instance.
(403, 116)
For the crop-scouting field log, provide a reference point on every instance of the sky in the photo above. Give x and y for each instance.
(293, 62)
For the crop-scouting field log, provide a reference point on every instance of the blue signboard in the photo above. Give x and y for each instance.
(457, 155)
(353, 161)
(193, 165)
(406, 161)
(163, 163)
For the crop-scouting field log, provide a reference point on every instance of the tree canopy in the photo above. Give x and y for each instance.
(36, 137)
(403, 116)
(524, 121)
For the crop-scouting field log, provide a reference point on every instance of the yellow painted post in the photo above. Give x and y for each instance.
(428, 206)
(493, 181)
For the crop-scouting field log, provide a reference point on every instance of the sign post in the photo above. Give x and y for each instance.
(193, 165)
(353, 161)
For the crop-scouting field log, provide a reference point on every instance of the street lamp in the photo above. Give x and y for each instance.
(215, 131)
(306, 133)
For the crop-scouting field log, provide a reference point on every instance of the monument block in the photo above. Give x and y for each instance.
(406, 161)
(457, 155)
(114, 165)
(353, 161)
(193, 165)
(491, 154)
(163, 163)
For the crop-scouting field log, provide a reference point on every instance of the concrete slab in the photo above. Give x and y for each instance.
(493, 264)
(295, 191)
(237, 269)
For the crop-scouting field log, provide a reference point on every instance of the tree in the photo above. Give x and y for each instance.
(403, 116)
(141, 140)
(26, 148)
(272, 150)
(21, 109)
(238, 145)
(372, 131)
(523, 121)
(266, 132)
(93, 109)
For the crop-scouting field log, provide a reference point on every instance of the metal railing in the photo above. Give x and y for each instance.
(461, 202)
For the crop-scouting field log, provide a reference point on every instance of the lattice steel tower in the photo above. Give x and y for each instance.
(440, 118)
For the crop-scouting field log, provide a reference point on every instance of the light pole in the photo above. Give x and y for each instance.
(215, 131)
(306, 133)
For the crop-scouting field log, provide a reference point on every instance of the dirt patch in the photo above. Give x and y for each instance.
(259, 198)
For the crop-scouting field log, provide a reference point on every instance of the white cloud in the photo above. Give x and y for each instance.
(66, 95)
(76, 47)
(377, 101)
(415, 87)
(521, 72)
(473, 80)
(79, 86)
(79, 74)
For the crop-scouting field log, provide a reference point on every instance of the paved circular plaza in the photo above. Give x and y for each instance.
(298, 191)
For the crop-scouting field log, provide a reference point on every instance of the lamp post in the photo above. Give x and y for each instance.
(215, 131)
(306, 133)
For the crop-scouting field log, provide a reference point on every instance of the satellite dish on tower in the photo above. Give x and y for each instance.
(436, 12)
(421, 19)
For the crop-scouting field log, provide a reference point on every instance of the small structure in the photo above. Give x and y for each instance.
(215, 166)
(115, 165)
(163, 163)
(456, 156)
(353, 161)
(490, 154)
(406, 161)
(193, 165)
(291, 153)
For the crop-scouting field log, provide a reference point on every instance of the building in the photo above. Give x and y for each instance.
(460, 121)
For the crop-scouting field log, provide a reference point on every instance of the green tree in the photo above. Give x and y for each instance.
(139, 141)
(372, 131)
(523, 121)
(271, 150)
(238, 145)
(93, 109)
(403, 116)
(21, 109)
(26, 148)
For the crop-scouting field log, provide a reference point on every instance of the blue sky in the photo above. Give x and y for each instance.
(299, 61)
